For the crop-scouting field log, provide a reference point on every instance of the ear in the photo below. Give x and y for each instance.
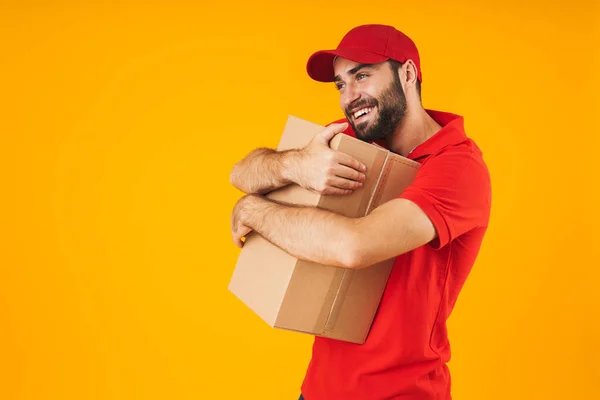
(408, 73)
(408, 77)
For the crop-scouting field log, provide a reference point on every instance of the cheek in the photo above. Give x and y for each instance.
(372, 90)
(377, 87)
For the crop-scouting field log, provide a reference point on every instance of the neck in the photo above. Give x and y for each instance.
(415, 128)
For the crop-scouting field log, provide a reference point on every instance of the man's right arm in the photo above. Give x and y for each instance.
(315, 167)
(264, 170)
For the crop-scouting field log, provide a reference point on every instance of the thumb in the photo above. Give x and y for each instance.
(332, 130)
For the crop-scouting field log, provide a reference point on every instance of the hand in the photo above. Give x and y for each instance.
(325, 171)
(239, 218)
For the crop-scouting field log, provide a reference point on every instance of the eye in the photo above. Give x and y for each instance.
(339, 86)
(361, 76)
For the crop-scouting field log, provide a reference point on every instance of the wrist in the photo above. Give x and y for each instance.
(291, 164)
(251, 209)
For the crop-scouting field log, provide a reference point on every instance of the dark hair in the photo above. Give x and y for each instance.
(395, 65)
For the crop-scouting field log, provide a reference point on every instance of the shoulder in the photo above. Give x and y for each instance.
(465, 155)
(457, 173)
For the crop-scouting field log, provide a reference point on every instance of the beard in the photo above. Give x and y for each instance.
(391, 108)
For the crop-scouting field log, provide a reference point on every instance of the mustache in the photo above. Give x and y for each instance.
(361, 104)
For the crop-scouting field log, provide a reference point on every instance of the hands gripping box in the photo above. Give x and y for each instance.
(293, 294)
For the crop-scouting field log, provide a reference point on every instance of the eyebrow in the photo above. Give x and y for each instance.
(354, 70)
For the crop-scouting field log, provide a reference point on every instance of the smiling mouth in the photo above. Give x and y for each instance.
(362, 114)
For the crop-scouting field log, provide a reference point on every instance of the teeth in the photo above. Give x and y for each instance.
(362, 112)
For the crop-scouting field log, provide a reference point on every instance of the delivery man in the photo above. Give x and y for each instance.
(434, 230)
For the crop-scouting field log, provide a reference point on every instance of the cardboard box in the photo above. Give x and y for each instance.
(302, 296)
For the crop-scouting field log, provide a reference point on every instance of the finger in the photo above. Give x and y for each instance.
(237, 240)
(341, 183)
(328, 133)
(245, 231)
(336, 191)
(242, 231)
(349, 161)
(348, 173)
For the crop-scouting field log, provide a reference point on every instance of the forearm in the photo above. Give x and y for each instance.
(308, 233)
(263, 170)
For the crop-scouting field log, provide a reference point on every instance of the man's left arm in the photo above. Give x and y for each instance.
(327, 238)
(450, 196)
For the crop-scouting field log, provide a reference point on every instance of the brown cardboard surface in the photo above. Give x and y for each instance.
(293, 294)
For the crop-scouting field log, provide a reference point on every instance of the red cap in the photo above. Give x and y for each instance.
(365, 44)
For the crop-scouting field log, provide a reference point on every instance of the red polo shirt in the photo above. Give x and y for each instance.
(405, 354)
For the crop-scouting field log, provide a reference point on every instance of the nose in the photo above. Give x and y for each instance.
(350, 95)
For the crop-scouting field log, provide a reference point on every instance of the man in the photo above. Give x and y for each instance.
(433, 230)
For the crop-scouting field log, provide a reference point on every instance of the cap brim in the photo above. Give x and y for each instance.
(320, 64)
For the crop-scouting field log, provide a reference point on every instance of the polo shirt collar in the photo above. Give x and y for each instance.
(452, 133)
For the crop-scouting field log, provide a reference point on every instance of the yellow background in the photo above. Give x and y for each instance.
(120, 122)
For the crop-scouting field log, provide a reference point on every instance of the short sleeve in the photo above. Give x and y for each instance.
(453, 188)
